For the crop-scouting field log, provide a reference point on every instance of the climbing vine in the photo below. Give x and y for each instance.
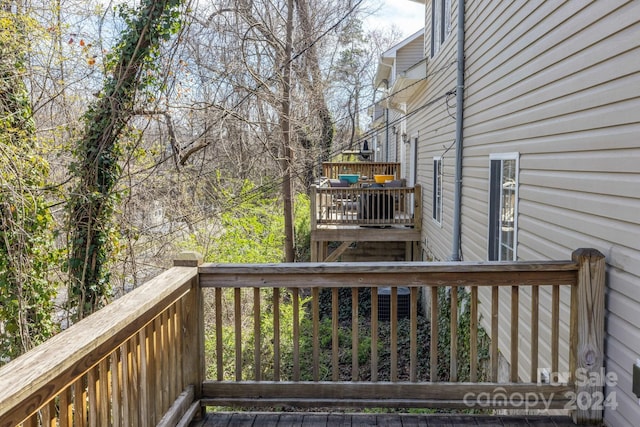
(26, 240)
(98, 153)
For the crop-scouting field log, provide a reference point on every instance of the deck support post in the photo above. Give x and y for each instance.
(193, 365)
(589, 376)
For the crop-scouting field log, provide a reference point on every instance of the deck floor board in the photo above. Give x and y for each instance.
(306, 419)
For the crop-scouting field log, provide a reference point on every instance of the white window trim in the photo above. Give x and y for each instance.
(441, 25)
(506, 156)
(433, 208)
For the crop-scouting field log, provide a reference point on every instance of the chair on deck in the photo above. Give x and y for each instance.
(399, 198)
(342, 200)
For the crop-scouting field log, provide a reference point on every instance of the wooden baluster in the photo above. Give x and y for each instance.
(147, 374)
(433, 355)
(219, 352)
(355, 375)
(316, 332)
(276, 334)
(80, 402)
(555, 328)
(495, 301)
(453, 351)
(134, 380)
(166, 367)
(257, 340)
(159, 367)
(473, 339)
(32, 421)
(535, 304)
(296, 333)
(180, 383)
(413, 340)
(126, 389)
(104, 381)
(66, 407)
(116, 390)
(573, 333)
(514, 333)
(49, 414)
(374, 334)
(92, 392)
(238, 331)
(394, 333)
(335, 344)
(174, 389)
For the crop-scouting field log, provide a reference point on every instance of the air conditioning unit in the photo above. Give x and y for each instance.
(384, 303)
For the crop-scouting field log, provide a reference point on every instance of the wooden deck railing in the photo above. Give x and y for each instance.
(141, 360)
(376, 207)
(136, 362)
(368, 169)
(279, 297)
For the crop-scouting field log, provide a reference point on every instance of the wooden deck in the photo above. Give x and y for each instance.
(309, 419)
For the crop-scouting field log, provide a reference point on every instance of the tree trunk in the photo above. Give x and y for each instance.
(287, 190)
(314, 70)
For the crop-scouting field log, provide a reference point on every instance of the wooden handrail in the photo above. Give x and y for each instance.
(32, 380)
(406, 273)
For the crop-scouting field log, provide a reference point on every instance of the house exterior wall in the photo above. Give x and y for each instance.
(432, 123)
(409, 55)
(558, 83)
(389, 149)
(403, 56)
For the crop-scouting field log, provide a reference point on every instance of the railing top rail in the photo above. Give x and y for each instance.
(362, 274)
(333, 169)
(362, 190)
(35, 377)
(360, 163)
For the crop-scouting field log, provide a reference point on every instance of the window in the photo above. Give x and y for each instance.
(503, 206)
(437, 190)
(440, 23)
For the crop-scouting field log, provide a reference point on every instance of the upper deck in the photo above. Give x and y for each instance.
(364, 211)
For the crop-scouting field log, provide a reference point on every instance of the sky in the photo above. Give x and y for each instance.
(407, 15)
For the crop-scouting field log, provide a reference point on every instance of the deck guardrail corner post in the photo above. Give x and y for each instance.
(589, 384)
(315, 205)
(193, 363)
(188, 259)
(417, 213)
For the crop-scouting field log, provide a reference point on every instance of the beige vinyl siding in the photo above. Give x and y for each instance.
(406, 56)
(409, 55)
(395, 118)
(434, 126)
(401, 57)
(559, 83)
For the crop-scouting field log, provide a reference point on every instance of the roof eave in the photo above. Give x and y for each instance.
(406, 84)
